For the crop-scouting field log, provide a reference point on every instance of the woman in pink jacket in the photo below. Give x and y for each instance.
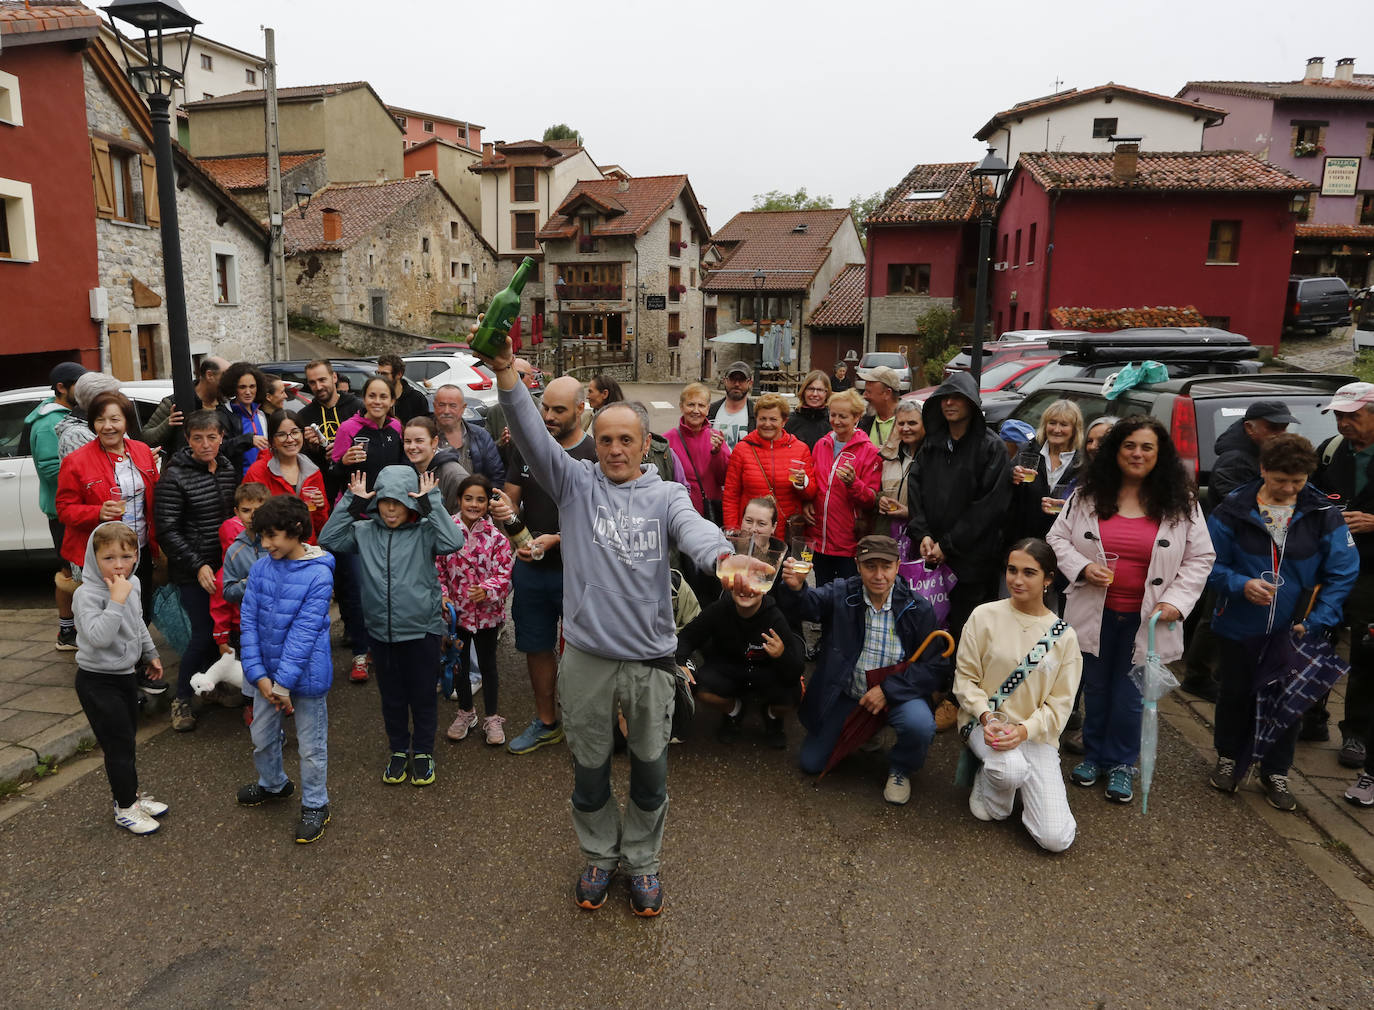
(1132, 542)
(701, 450)
(848, 475)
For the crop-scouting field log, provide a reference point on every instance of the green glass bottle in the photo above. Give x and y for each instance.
(490, 338)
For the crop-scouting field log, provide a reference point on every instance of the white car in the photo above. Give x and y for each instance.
(465, 371)
(893, 360)
(24, 532)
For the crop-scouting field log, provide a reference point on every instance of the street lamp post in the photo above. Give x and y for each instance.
(990, 169)
(759, 280)
(157, 80)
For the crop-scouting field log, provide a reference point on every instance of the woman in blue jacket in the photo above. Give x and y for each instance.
(1275, 525)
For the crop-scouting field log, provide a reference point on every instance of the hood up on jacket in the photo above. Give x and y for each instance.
(395, 483)
(90, 571)
(1234, 439)
(110, 637)
(958, 384)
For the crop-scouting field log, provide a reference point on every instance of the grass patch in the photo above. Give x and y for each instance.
(1363, 368)
(85, 745)
(307, 324)
(1336, 845)
(10, 787)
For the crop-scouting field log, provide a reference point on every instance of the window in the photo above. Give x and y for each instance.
(675, 333)
(453, 229)
(524, 230)
(206, 94)
(226, 273)
(908, 278)
(123, 186)
(1016, 257)
(1104, 128)
(401, 121)
(467, 270)
(250, 76)
(1030, 246)
(603, 281)
(1005, 238)
(4, 230)
(18, 238)
(10, 110)
(674, 237)
(453, 270)
(1307, 139)
(693, 274)
(427, 125)
(1223, 245)
(1366, 208)
(674, 283)
(424, 243)
(424, 173)
(525, 186)
(207, 62)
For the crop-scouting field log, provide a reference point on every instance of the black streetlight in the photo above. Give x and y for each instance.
(157, 79)
(302, 195)
(759, 281)
(991, 169)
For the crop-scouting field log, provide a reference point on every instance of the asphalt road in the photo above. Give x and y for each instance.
(778, 893)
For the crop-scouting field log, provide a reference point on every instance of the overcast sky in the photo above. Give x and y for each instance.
(751, 95)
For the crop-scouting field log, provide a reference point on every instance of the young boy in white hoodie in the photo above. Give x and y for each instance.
(110, 639)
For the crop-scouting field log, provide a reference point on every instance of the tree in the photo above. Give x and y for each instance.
(776, 199)
(562, 131)
(864, 207)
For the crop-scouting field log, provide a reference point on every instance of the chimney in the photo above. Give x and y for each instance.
(486, 152)
(1125, 165)
(1316, 68)
(623, 186)
(1345, 69)
(333, 224)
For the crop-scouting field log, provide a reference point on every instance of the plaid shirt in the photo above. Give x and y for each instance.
(881, 645)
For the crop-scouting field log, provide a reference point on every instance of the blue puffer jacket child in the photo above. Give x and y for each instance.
(400, 584)
(284, 623)
(1318, 550)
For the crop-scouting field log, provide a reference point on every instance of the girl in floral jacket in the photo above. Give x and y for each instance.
(477, 580)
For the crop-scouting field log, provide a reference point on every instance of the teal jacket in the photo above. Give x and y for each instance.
(401, 596)
(43, 446)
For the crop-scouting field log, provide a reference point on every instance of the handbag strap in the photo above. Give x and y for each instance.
(766, 479)
(687, 451)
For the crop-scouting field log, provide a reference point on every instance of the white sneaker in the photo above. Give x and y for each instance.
(135, 819)
(898, 789)
(466, 720)
(150, 806)
(976, 806)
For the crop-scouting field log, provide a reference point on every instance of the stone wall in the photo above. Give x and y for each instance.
(898, 313)
(368, 341)
(314, 173)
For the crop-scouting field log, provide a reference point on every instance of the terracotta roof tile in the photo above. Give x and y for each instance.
(251, 172)
(1073, 95)
(310, 92)
(843, 304)
(775, 242)
(363, 206)
(68, 16)
(1160, 171)
(554, 152)
(630, 212)
(911, 200)
(1321, 89)
(1353, 231)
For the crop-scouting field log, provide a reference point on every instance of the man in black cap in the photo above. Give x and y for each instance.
(733, 414)
(1238, 447)
(47, 461)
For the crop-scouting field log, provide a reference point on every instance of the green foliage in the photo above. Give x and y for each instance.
(85, 745)
(562, 131)
(864, 207)
(10, 787)
(47, 765)
(935, 366)
(1363, 368)
(309, 324)
(776, 199)
(932, 328)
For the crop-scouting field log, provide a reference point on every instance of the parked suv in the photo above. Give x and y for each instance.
(1316, 304)
(893, 360)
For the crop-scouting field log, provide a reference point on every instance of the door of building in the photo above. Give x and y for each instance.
(147, 351)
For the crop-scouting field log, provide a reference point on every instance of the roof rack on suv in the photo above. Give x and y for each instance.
(1164, 343)
(1322, 381)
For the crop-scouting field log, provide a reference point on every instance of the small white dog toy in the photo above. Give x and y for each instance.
(225, 670)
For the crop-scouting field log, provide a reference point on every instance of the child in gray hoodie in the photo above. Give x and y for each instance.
(110, 639)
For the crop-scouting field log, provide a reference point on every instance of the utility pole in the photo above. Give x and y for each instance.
(280, 347)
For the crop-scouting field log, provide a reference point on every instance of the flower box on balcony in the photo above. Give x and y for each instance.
(682, 289)
(1307, 149)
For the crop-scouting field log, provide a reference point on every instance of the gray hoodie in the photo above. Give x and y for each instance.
(110, 637)
(617, 593)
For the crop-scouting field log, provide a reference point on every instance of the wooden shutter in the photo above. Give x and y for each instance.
(102, 174)
(121, 352)
(151, 214)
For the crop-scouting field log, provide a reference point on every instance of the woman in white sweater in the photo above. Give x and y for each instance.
(1020, 634)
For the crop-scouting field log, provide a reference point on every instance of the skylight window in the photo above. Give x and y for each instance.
(925, 194)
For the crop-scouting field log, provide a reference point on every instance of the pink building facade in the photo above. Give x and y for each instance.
(422, 126)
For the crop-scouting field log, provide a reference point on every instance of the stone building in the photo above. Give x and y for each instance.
(387, 253)
(448, 162)
(246, 178)
(624, 256)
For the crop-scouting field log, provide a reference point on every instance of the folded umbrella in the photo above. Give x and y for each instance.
(452, 656)
(1154, 680)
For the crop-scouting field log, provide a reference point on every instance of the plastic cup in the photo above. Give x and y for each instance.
(1029, 461)
(1273, 580)
(1109, 561)
(117, 496)
(999, 723)
(756, 560)
(536, 552)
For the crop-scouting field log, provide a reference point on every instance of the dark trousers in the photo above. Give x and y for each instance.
(484, 641)
(408, 679)
(829, 567)
(1111, 703)
(969, 592)
(202, 651)
(1234, 728)
(1359, 687)
(110, 701)
(144, 571)
(348, 591)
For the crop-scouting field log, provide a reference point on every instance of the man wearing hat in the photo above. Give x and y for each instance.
(868, 621)
(733, 414)
(882, 386)
(1238, 447)
(42, 422)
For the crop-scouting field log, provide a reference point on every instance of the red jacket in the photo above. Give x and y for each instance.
(264, 471)
(759, 468)
(83, 485)
(838, 505)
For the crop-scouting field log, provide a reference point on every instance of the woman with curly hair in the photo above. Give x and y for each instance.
(1131, 542)
(243, 388)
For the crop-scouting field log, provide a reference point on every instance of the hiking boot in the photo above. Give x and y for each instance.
(66, 639)
(422, 770)
(254, 794)
(150, 806)
(1200, 685)
(395, 772)
(536, 735)
(183, 719)
(774, 730)
(1223, 776)
(135, 819)
(1352, 751)
(592, 887)
(646, 895)
(358, 673)
(730, 727)
(946, 716)
(494, 726)
(1361, 794)
(467, 718)
(311, 826)
(897, 790)
(1119, 788)
(1085, 773)
(1276, 792)
(1314, 731)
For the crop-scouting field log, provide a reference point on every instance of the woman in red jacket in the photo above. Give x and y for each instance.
(769, 462)
(109, 478)
(848, 475)
(287, 470)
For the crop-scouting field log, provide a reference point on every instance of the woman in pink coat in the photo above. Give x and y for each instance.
(848, 475)
(1132, 542)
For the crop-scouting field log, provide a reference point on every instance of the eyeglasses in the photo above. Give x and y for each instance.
(287, 436)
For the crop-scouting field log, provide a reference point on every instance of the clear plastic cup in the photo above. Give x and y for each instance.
(1109, 561)
(1029, 461)
(756, 559)
(116, 495)
(1273, 580)
(998, 723)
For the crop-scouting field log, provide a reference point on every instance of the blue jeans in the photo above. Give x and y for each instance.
(312, 737)
(1111, 703)
(913, 720)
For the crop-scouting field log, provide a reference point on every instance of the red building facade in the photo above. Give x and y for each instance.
(1209, 229)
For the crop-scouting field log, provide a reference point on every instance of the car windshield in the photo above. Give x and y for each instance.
(999, 375)
(876, 358)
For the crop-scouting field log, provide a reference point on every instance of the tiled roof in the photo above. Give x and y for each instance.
(843, 304)
(362, 205)
(770, 240)
(627, 212)
(1160, 171)
(1352, 231)
(250, 173)
(949, 179)
(1318, 89)
(308, 93)
(69, 17)
(553, 152)
(1108, 90)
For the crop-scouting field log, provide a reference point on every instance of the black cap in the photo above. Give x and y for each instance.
(1273, 411)
(742, 367)
(66, 373)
